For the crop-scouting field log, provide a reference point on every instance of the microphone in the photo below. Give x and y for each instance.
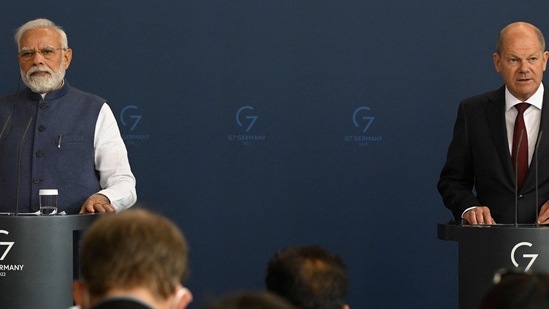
(516, 177)
(4, 127)
(2, 134)
(537, 180)
(17, 95)
(19, 166)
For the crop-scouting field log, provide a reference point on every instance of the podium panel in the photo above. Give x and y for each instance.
(39, 259)
(483, 250)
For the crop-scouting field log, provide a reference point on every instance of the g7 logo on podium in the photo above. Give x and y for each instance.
(532, 256)
(9, 244)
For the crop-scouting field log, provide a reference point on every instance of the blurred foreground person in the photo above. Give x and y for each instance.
(308, 277)
(517, 291)
(135, 259)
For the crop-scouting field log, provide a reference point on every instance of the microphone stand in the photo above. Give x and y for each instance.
(19, 166)
(516, 177)
(537, 179)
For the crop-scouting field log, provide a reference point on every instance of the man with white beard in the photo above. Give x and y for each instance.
(53, 135)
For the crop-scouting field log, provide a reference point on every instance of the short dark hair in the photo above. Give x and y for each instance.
(308, 277)
(134, 248)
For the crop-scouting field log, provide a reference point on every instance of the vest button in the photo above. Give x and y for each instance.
(36, 180)
(39, 153)
(41, 128)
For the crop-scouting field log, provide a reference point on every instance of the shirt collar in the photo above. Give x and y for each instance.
(536, 99)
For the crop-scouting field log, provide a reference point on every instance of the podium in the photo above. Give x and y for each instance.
(483, 250)
(39, 259)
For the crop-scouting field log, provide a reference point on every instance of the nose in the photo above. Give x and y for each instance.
(524, 68)
(37, 58)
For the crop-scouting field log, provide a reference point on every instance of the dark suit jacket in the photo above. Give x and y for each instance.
(479, 161)
(120, 303)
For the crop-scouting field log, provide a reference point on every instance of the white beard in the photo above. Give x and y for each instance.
(43, 83)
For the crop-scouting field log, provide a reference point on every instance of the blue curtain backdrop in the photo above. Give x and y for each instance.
(258, 124)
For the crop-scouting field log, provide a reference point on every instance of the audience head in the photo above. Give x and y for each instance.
(250, 300)
(518, 291)
(134, 252)
(308, 277)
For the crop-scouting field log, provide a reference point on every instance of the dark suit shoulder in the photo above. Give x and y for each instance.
(486, 98)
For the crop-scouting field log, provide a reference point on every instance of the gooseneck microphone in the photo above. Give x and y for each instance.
(516, 177)
(2, 134)
(5, 125)
(537, 179)
(18, 184)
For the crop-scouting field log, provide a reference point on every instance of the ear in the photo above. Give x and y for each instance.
(183, 298)
(497, 62)
(67, 58)
(79, 293)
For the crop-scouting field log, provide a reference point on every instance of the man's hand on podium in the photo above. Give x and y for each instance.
(480, 215)
(543, 217)
(97, 203)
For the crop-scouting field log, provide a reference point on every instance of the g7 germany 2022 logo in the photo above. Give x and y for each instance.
(531, 256)
(250, 119)
(130, 119)
(361, 121)
(6, 244)
(246, 118)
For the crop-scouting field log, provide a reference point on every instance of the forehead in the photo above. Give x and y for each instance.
(40, 37)
(520, 37)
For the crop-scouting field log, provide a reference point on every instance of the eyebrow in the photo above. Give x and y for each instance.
(41, 47)
(536, 54)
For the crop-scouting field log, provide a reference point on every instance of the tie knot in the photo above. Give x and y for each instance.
(521, 107)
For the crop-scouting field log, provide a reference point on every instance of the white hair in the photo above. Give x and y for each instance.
(40, 23)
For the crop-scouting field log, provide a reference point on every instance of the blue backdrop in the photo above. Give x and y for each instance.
(256, 124)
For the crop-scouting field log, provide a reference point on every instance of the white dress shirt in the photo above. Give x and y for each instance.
(532, 118)
(111, 162)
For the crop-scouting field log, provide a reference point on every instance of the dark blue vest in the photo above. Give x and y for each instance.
(56, 152)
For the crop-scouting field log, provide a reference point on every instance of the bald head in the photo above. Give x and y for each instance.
(519, 29)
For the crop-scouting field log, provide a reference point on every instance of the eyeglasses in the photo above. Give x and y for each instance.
(46, 52)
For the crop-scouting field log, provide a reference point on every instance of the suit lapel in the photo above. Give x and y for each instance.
(542, 137)
(544, 124)
(495, 117)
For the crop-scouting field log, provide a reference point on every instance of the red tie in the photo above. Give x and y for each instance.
(522, 161)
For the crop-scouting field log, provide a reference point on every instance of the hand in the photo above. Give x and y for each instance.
(480, 215)
(97, 203)
(543, 217)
